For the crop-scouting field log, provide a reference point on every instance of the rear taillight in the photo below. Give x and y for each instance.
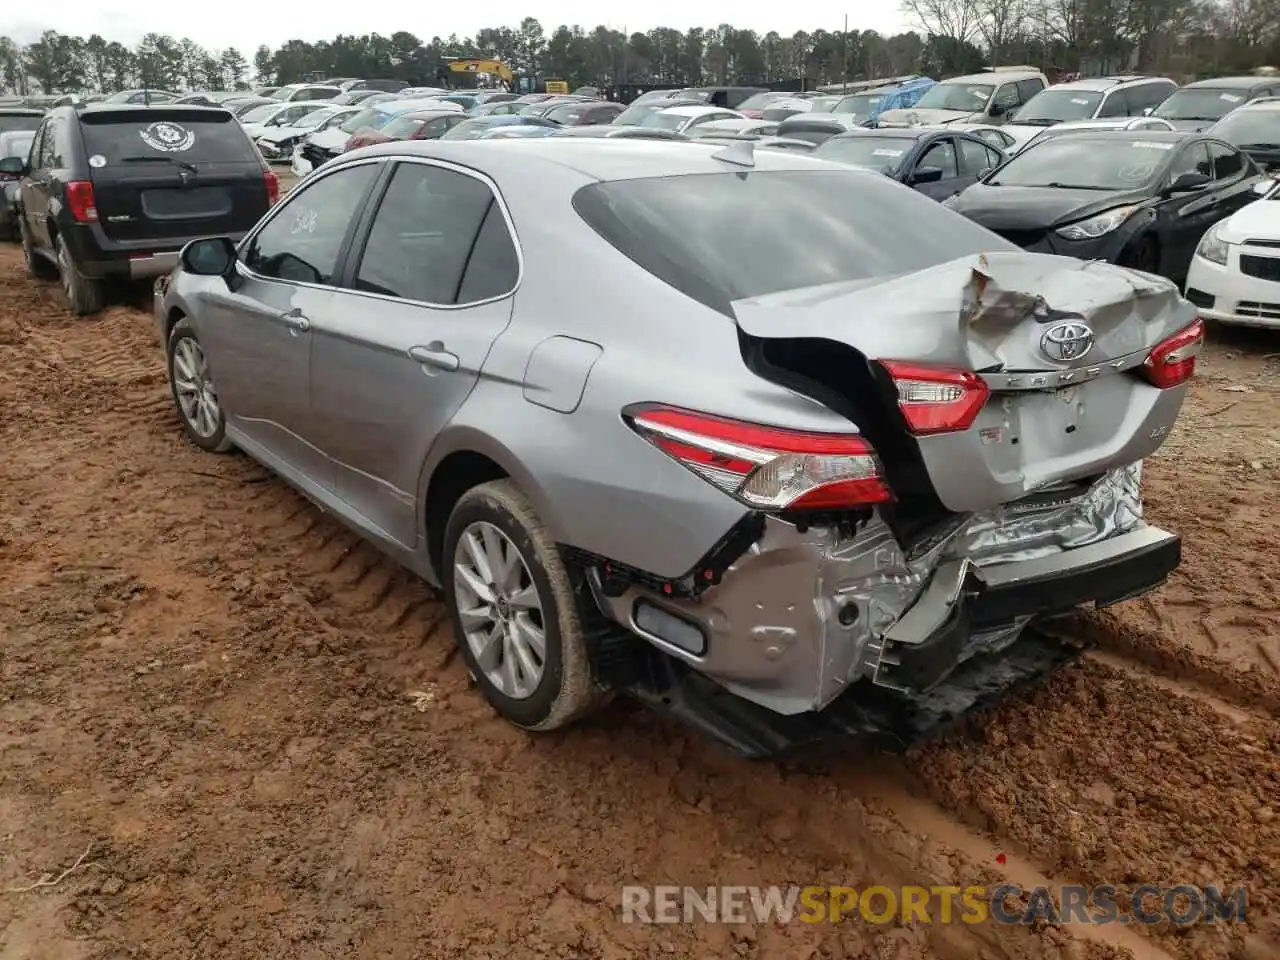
(273, 185)
(937, 399)
(80, 201)
(768, 468)
(1173, 361)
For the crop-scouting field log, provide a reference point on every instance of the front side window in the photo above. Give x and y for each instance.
(1116, 105)
(943, 156)
(301, 243)
(423, 233)
(1227, 163)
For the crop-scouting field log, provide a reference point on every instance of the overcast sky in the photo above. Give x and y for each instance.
(247, 23)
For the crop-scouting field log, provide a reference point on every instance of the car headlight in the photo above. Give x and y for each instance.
(1212, 247)
(1098, 226)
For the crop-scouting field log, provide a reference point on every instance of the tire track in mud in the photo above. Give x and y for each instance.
(309, 643)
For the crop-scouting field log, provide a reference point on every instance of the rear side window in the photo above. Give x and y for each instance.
(423, 233)
(493, 269)
(716, 238)
(194, 138)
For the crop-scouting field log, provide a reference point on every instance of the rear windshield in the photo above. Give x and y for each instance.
(203, 137)
(19, 121)
(720, 237)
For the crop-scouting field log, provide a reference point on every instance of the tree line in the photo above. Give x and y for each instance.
(1181, 38)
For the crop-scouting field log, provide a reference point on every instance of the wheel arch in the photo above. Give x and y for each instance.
(460, 460)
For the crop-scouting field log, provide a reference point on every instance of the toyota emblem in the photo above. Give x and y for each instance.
(1070, 340)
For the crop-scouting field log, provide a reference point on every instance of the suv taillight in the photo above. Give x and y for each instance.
(768, 468)
(1173, 361)
(937, 399)
(273, 185)
(80, 201)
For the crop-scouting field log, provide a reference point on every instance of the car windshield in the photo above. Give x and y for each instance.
(16, 144)
(860, 105)
(242, 110)
(1202, 103)
(968, 97)
(402, 128)
(635, 115)
(368, 117)
(1056, 106)
(261, 113)
(824, 104)
(664, 121)
(569, 113)
(1086, 163)
(20, 121)
(715, 236)
(313, 119)
(759, 101)
(885, 154)
(1250, 128)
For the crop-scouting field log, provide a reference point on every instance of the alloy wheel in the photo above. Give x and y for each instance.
(194, 387)
(500, 610)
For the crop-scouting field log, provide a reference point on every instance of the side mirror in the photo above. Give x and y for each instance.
(985, 172)
(209, 257)
(1186, 183)
(1146, 111)
(1261, 188)
(926, 175)
(13, 166)
(998, 110)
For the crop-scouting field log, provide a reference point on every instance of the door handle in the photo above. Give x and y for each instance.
(435, 355)
(296, 321)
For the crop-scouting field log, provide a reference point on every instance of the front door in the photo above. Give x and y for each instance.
(258, 336)
(429, 292)
(941, 154)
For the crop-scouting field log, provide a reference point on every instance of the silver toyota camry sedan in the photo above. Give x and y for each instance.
(778, 446)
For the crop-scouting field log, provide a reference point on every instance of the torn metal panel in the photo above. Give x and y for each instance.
(800, 616)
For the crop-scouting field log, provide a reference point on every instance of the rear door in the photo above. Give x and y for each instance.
(169, 174)
(431, 288)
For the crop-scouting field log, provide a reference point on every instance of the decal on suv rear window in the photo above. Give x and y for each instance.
(167, 137)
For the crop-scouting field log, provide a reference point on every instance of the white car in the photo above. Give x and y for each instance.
(717, 128)
(680, 119)
(1235, 274)
(277, 143)
(263, 119)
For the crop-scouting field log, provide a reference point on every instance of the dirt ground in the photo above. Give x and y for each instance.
(256, 734)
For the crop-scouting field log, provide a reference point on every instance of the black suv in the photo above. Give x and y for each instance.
(116, 190)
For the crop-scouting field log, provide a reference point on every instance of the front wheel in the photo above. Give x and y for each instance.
(513, 610)
(193, 392)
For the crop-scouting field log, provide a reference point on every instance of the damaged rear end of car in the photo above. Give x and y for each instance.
(887, 579)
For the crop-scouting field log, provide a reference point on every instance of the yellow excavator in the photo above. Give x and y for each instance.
(494, 68)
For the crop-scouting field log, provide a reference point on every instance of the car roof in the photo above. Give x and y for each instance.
(897, 133)
(694, 111)
(1152, 136)
(1270, 103)
(995, 77)
(598, 158)
(1100, 84)
(1232, 83)
(430, 114)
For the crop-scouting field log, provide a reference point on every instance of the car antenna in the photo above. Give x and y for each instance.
(742, 153)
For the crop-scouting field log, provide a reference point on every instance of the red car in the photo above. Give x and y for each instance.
(419, 125)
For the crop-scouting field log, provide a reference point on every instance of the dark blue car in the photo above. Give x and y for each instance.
(937, 162)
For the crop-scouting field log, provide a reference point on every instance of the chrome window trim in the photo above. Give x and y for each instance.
(506, 216)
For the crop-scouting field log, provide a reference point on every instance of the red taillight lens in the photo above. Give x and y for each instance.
(937, 399)
(1173, 361)
(80, 201)
(769, 468)
(273, 185)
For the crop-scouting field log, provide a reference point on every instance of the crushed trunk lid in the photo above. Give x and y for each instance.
(1058, 341)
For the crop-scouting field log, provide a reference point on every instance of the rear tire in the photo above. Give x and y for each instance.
(37, 266)
(513, 610)
(84, 294)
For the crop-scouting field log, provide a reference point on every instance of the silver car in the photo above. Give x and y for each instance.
(776, 445)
